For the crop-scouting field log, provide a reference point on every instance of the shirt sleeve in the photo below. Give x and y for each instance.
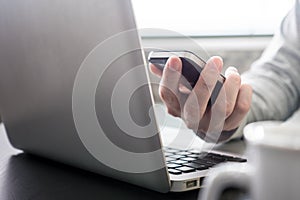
(275, 77)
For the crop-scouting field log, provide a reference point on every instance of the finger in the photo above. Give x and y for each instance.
(232, 87)
(215, 119)
(196, 103)
(155, 70)
(184, 90)
(168, 89)
(241, 108)
(218, 61)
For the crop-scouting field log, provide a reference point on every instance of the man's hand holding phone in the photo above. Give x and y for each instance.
(192, 103)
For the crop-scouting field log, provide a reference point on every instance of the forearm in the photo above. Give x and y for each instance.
(275, 77)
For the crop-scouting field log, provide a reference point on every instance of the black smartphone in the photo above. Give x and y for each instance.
(192, 65)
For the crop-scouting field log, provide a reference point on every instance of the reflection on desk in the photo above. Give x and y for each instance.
(31, 177)
(24, 176)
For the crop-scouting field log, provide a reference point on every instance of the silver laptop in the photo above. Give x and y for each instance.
(73, 88)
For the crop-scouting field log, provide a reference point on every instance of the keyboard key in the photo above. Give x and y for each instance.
(194, 151)
(219, 159)
(203, 154)
(173, 165)
(179, 162)
(183, 153)
(229, 158)
(211, 160)
(188, 159)
(176, 156)
(196, 166)
(171, 151)
(186, 169)
(193, 156)
(174, 171)
(168, 159)
(220, 156)
(168, 154)
(235, 159)
(205, 163)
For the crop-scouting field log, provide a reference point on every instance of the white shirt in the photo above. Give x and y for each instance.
(275, 77)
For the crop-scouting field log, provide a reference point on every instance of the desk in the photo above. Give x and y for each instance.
(24, 176)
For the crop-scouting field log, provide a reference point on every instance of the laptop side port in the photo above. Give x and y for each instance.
(191, 183)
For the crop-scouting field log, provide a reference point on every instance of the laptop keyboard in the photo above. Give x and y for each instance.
(186, 161)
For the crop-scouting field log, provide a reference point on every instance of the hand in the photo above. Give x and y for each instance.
(213, 124)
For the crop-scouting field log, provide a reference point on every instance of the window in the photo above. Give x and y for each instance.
(212, 17)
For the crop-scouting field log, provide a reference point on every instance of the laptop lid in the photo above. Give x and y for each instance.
(73, 88)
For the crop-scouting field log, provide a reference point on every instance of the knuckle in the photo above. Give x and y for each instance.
(211, 68)
(190, 124)
(243, 106)
(236, 78)
(206, 86)
(248, 88)
(229, 126)
(189, 112)
(172, 112)
(191, 117)
(162, 92)
(209, 83)
(229, 108)
(166, 95)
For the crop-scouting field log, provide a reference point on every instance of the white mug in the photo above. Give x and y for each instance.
(273, 168)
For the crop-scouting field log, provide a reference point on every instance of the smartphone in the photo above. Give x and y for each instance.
(192, 65)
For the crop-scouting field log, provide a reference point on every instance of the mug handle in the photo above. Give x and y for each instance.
(227, 175)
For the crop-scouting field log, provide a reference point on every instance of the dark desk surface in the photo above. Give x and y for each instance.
(24, 176)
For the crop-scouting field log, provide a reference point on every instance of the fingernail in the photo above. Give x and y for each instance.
(231, 70)
(216, 62)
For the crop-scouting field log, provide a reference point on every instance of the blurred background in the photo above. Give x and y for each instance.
(237, 30)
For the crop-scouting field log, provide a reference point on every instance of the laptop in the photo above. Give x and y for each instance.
(74, 89)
